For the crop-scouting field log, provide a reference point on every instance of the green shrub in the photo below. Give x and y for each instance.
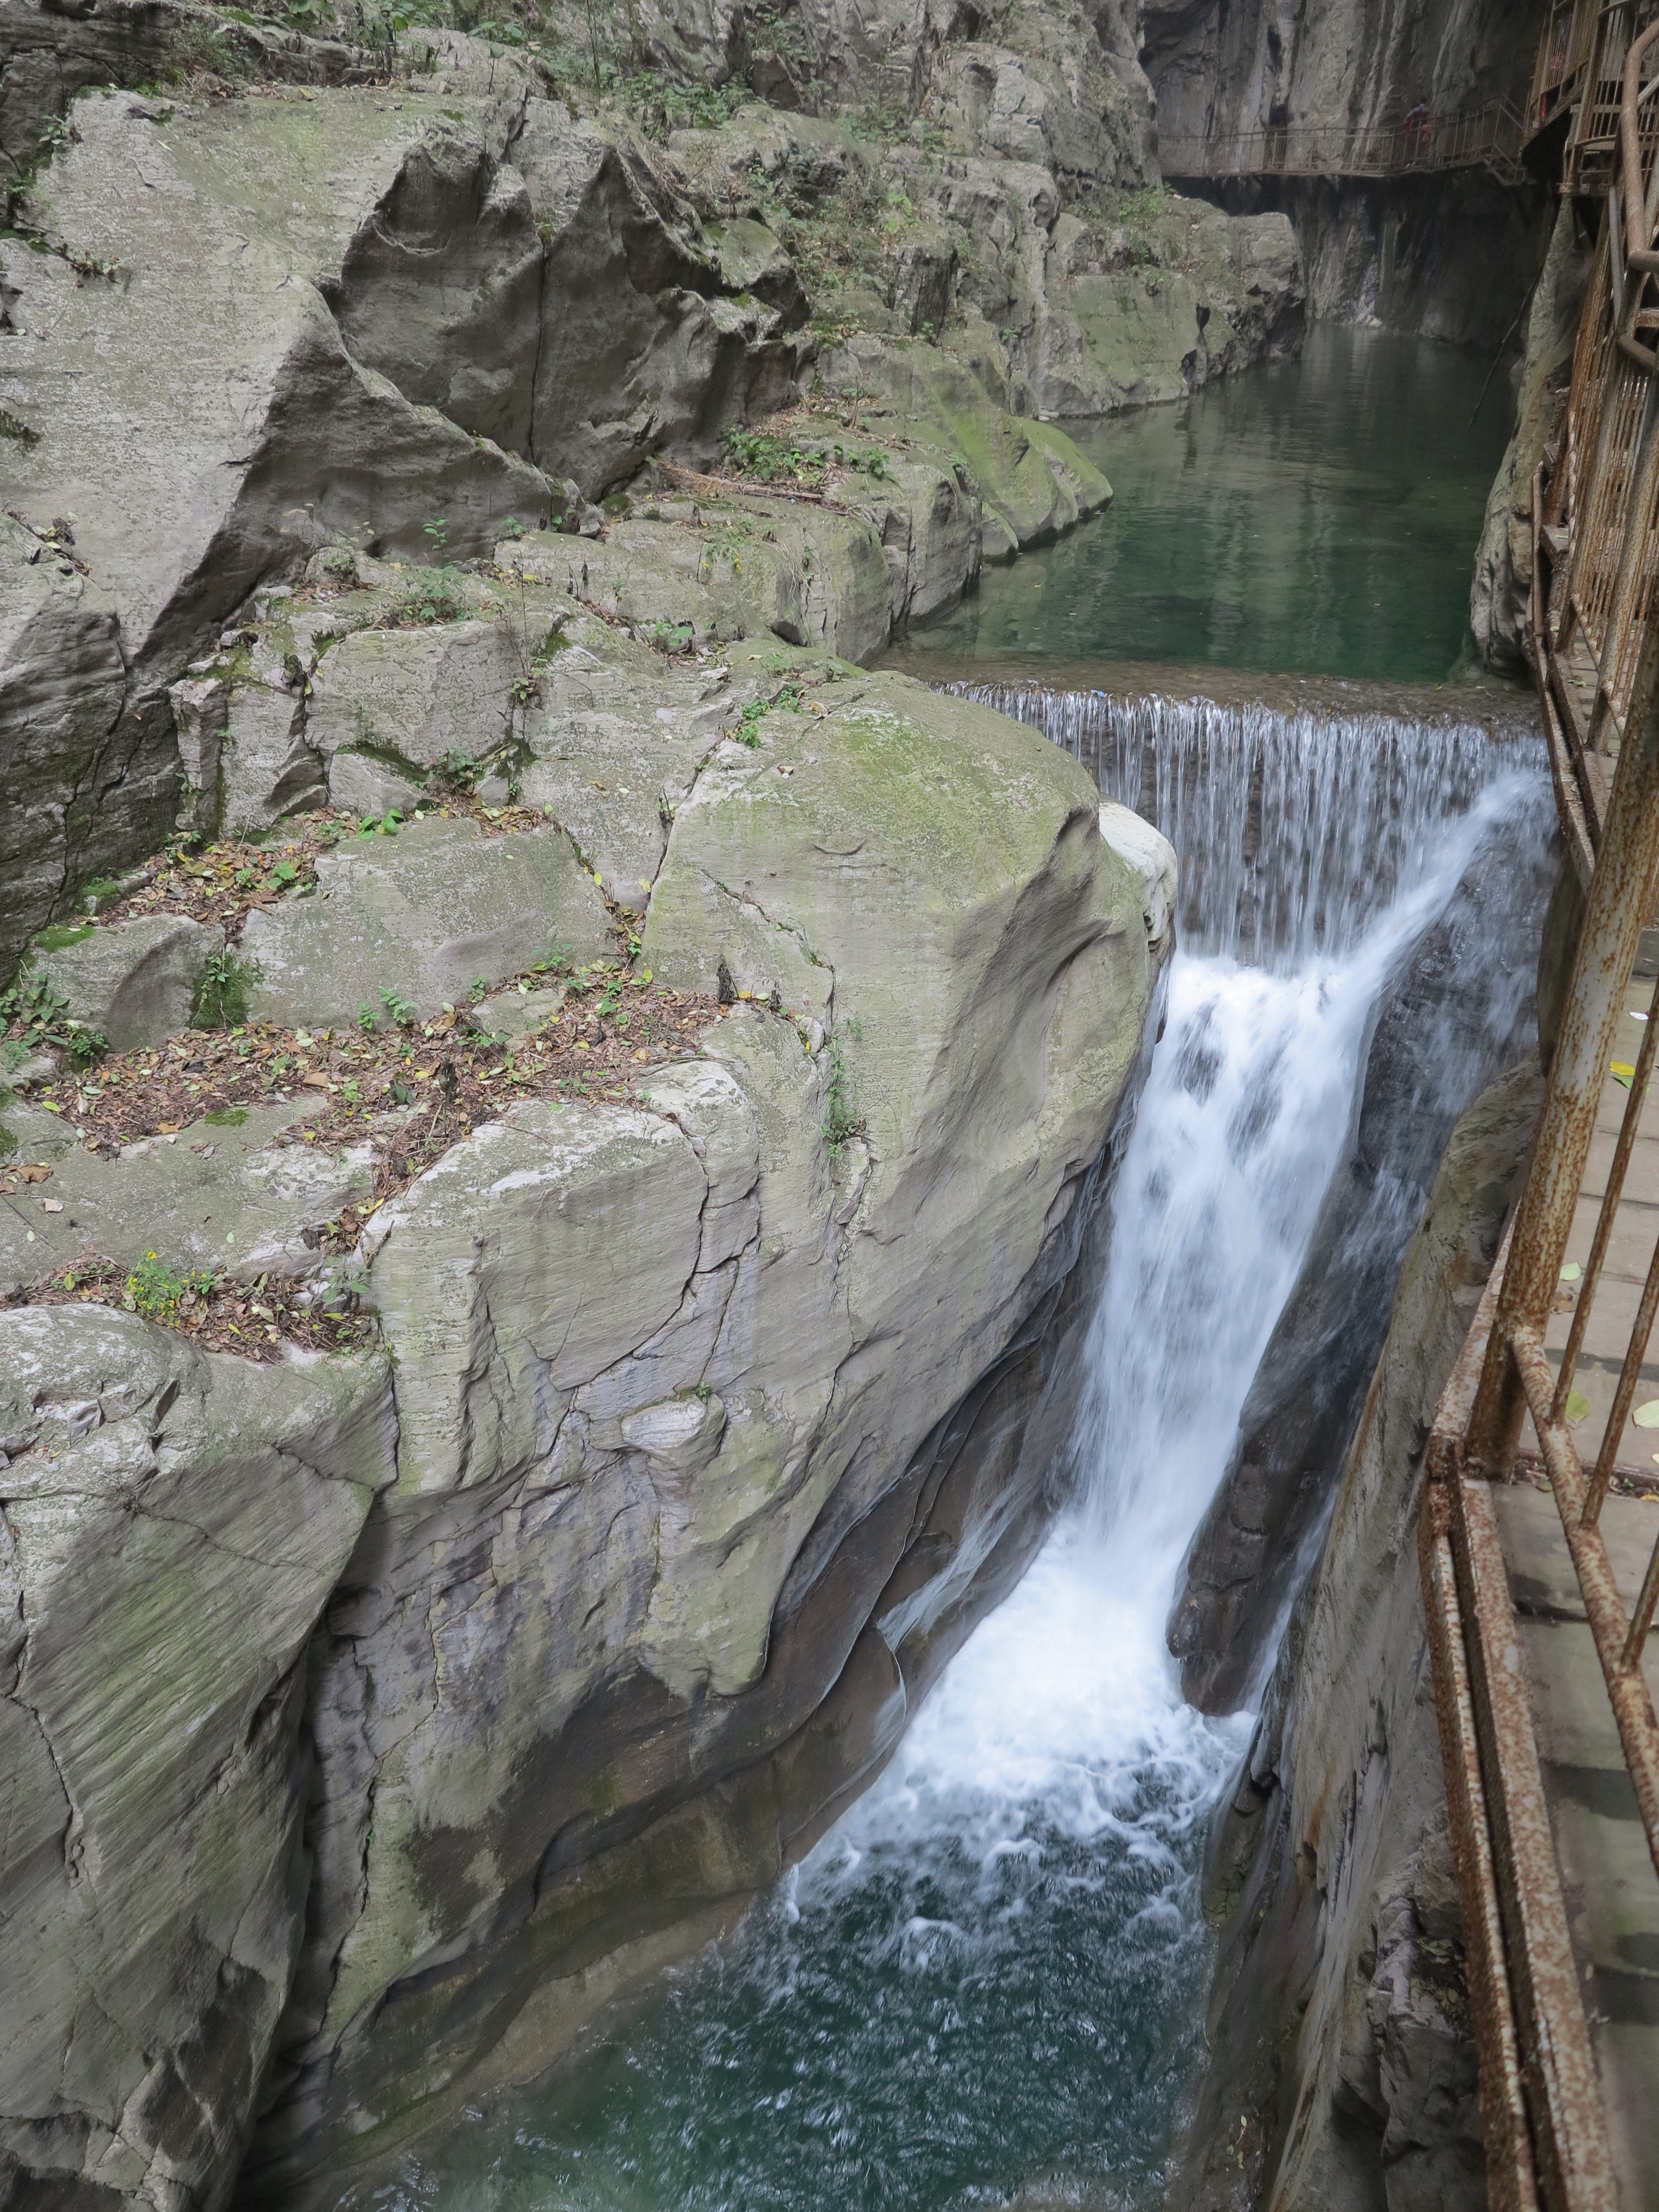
(842, 1120)
(42, 1015)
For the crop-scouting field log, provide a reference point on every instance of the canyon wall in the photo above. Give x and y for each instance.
(1452, 256)
(1222, 71)
(1342, 2074)
(516, 277)
(554, 1129)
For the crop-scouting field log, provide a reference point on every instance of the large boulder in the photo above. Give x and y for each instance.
(254, 294)
(723, 1407)
(639, 347)
(174, 1524)
(425, 915)
(134, 981)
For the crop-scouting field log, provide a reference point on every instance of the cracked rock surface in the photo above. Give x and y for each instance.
(367, 1715)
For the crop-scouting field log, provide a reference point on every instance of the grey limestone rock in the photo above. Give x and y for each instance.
(171, 1526)
(1499, 601)
(641, 349)
(408, 697)
(241, 1194)
(1341, 2068)
(657, 1480)
(705, 40)
(61, 683)
(134, 979)
(424, 914)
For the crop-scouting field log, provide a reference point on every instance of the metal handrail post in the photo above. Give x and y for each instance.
(1608, 943)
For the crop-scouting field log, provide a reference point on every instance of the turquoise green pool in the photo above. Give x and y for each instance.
(1313, 517)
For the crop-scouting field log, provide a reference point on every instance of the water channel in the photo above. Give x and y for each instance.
(983, 1987)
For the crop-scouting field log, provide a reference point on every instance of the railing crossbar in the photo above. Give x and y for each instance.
(1617, 1170)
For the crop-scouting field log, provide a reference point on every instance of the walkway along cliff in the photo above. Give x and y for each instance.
(1440, 1859)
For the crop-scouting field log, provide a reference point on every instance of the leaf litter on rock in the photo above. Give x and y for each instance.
(413, 1089)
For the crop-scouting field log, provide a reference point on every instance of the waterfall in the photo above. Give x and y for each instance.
(1294, 831)
(987, 1975)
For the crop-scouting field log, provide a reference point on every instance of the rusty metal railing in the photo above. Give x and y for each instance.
(1485, 137)
(1600, 41)
(1596, 507)
(1595, 639)
(1564, 50)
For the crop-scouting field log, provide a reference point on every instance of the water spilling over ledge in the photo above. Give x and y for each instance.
(1295, 827)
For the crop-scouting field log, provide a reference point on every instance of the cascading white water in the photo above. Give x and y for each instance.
(1294, 831)
(986, 1975)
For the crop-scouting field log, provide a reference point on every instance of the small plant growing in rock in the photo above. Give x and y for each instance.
(155, 1292)
(456, 769)
(403, 1011)
(478, 990)
(774, 458)
(220, 1001)
(42, 1018)
(841, 1118)
(748, 730)
(367, 1020)
(438, 531)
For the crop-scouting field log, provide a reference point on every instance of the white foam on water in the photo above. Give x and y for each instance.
(1065, 1698)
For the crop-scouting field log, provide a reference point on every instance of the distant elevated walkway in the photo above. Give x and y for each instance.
(1420, 143)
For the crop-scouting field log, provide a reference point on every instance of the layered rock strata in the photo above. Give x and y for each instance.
(513, 284)
(370, 1716)
(1452, 255)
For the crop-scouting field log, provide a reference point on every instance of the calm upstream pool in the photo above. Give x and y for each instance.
(1315, 517)
(983, 1988)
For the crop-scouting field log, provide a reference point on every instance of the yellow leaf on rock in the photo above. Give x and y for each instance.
(1577, 1406)
(1572, 1272)
(1647, 1417)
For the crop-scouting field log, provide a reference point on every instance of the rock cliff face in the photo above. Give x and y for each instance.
(1343, 2068)
(369, 1714)
(1503, 568)
(1452, 256)
(1222, 71)
(514, 278)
